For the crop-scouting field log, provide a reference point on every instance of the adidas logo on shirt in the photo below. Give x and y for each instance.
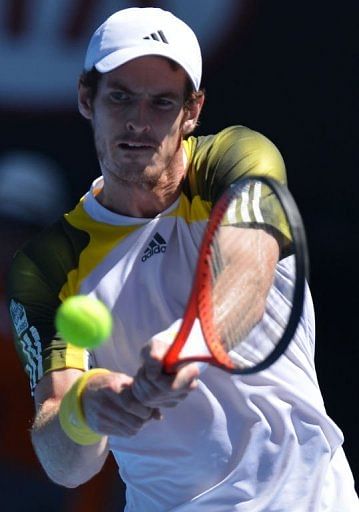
(156, 246)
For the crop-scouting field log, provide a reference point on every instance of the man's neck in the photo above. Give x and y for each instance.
(143, 200)
(133, 200)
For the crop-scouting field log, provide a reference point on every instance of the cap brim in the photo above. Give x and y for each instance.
(120, 57)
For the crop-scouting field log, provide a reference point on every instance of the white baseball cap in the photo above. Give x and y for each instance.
(140, 31)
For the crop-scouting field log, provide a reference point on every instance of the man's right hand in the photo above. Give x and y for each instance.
(111, 408)
(116, 404)
(155, 388)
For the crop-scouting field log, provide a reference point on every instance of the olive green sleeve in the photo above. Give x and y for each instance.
(216, 161)
(233, 153)
(36, 276)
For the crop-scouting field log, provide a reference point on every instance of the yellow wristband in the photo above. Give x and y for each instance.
(71, 414)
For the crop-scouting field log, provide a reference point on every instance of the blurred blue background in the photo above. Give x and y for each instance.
(286, 69)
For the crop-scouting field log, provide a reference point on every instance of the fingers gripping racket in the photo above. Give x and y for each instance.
(246, 325)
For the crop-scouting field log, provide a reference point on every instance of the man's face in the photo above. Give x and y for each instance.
(137, 118)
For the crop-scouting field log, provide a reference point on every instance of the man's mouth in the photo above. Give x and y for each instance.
(133, 146)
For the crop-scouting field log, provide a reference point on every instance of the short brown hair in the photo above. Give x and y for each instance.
(90, 80)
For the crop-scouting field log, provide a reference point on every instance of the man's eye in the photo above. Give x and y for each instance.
(119, 96)
(163, 102)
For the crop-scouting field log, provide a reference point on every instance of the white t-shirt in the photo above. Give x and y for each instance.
(260, 442)
(256, 443)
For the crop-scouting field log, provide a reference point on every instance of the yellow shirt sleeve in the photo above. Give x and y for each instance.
(218, 160)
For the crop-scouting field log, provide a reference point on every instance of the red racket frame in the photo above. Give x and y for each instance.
(200, 304)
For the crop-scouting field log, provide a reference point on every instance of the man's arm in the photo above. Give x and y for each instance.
(64, 461)
(110, 407)
(249, 258)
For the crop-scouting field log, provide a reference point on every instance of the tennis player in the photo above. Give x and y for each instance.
(191, 441)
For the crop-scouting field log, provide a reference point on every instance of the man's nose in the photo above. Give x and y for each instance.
(139, 118)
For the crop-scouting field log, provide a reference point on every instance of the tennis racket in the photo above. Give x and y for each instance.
(227, 291)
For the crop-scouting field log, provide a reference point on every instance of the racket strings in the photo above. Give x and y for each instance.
(235, 294)
(249, 286)
(246, 317)
(250, 295)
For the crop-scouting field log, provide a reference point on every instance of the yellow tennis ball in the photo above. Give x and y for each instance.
(83, 321)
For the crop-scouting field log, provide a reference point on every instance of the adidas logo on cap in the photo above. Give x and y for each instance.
(156, 246)
(157, 36)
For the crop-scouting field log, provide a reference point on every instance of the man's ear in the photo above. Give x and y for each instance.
(191, 115)
(84, 101)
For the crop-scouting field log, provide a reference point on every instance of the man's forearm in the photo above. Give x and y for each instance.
(65, 462)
